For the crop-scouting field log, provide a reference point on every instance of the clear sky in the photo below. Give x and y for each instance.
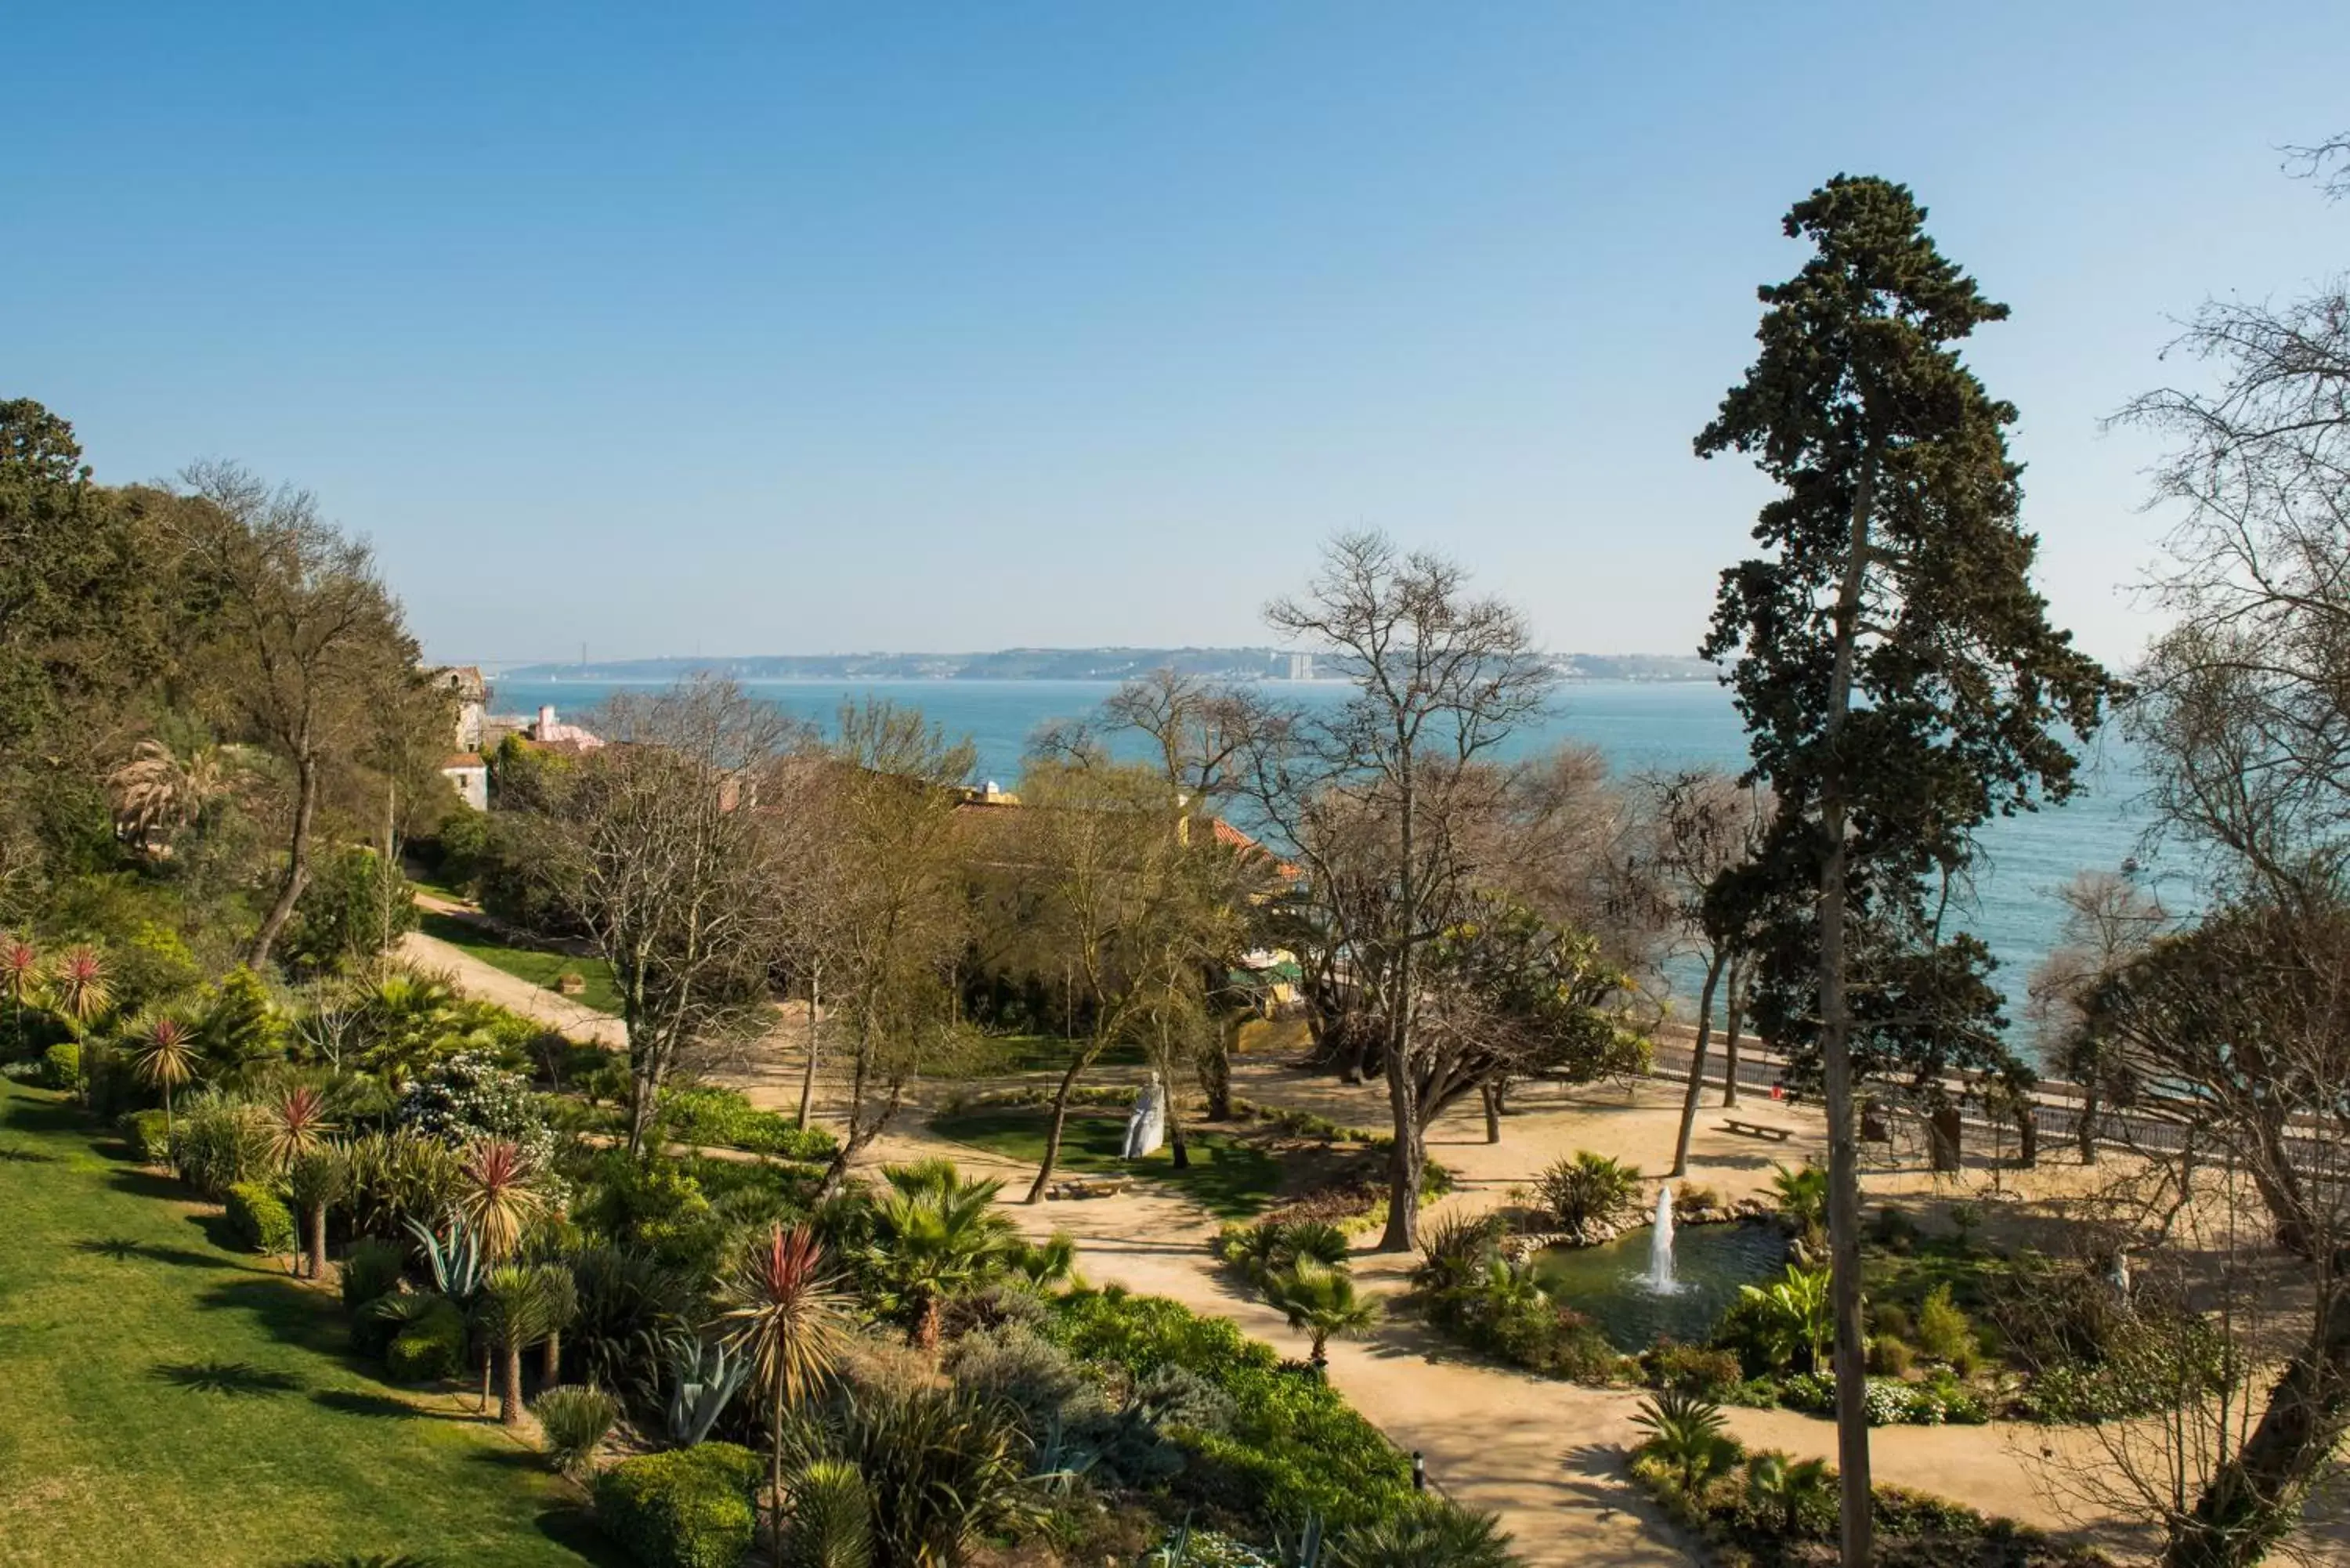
(776, 328)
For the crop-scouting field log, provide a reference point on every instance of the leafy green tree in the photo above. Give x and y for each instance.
(1897, 671)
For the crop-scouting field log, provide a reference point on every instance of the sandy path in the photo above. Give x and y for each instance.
(491, 984)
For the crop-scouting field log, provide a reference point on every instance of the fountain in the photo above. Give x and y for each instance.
(1660, 1245)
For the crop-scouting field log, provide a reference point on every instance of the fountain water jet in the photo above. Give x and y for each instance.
(1660, 1245)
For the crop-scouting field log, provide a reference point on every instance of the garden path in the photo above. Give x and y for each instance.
(490, 983)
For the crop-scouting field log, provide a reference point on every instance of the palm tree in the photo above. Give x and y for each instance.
(562, 1310)
(20, 981)
(1322, 1302)
(1802, 1199)
(165, 1058)
(1688, 1434)
(297, 1125)
(1432, 1533)
(318, 1178)
(936, 1235)
(77, 987)
(782, 1313)
(514, 1310)
(498, 1195)
(1774, 1480)
(156, 788)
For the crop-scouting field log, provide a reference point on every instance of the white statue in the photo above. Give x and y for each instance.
(1146, 1130)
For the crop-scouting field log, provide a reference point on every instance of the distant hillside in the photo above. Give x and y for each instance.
(1052, 664)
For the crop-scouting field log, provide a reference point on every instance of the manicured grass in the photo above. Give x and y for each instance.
(165, 1400)
(1231, 1178)
(1010, 1056)
(535, 965)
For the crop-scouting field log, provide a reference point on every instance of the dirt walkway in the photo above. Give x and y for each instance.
(491, 984)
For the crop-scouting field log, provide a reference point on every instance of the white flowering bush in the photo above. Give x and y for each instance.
(469, 1096)
(1206, 1549)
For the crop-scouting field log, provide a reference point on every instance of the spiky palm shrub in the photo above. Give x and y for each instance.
(1588, 1190)
(940, 1466)
(562, 1310)
(634, 1316)
(399, 1178)
(163, 1057)
(1321, 1303)
(78, 988)
(1688, 1435)
(1453, 1250)
(512, 1314)
(21, 978)
(318, 1177)
(1790, 1487)
(831, 1520)
(297, 1125)
(499, 1194)
(1802, 1199)
(783, 1314)
(1432, 1533)
(937, 1235)
(575, 1421)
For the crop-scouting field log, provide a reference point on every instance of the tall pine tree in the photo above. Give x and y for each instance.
(1898, 674)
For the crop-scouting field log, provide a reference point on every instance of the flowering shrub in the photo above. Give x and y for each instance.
(469, 1096)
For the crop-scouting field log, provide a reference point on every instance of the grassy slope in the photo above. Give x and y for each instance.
(535, 965)
(165, 1400)
(1229, 1178)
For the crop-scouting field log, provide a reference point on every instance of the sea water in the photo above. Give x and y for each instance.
(1639, 727)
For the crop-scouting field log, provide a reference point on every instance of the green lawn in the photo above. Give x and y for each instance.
(165, 1400)
(534, 965)
(1009, 1055)
(1228, 1177)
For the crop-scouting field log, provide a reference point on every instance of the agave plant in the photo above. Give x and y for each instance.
(704, 1379)
(499, 1194)
(77, 986)
(783, 1317)
(164, 1055)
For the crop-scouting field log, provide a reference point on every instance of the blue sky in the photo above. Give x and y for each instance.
(807, 328)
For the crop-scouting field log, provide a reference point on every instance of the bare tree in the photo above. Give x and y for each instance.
(888, 797)
(2109, 922)
(311, 657)
(1368, 795)
(1703, 825)
(661, 854)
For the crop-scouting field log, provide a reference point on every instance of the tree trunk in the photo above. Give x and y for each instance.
(1492, 1095)
(1851, 1364)
(1060, 1121)
(644, 1101)
(318, 1239)
(2027, 1133)
(510, 1385)
(1697, 1065)
(1739, 969)
(927, 1324)
(807, 1078)
(297, 862)
(1216, 1071)
(1180, 1151)
(1405, 1160)
(2254, 1498)
(1944, 1134)
(2084, 1126)
(550, 1360)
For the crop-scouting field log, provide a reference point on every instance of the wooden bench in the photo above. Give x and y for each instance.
(1110, 1188)
(1756, 1129)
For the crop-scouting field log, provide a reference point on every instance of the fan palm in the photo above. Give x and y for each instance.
(158, 788)
(936, 1235)
(1322, 1302)
(1774, 1480)
(318, 1178)
(783, 1314)
(77, 986)
(498, 1193)
(164, 1055)
(1688, 1434)
(1431, 1535)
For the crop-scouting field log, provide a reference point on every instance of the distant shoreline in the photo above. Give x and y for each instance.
(1107, 666)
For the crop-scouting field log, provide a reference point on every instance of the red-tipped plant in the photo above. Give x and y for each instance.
(20, 978)
(78, 987)
(784, 1313)
(499, 1195)
(297, 1125)
(164, 1057)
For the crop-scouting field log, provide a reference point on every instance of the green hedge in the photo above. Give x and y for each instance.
(1296, 1447)
(260, 1218)
(723, 1117)
(148, 1135)
(427, 1348)
(687, 1508)
(61, 1065)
